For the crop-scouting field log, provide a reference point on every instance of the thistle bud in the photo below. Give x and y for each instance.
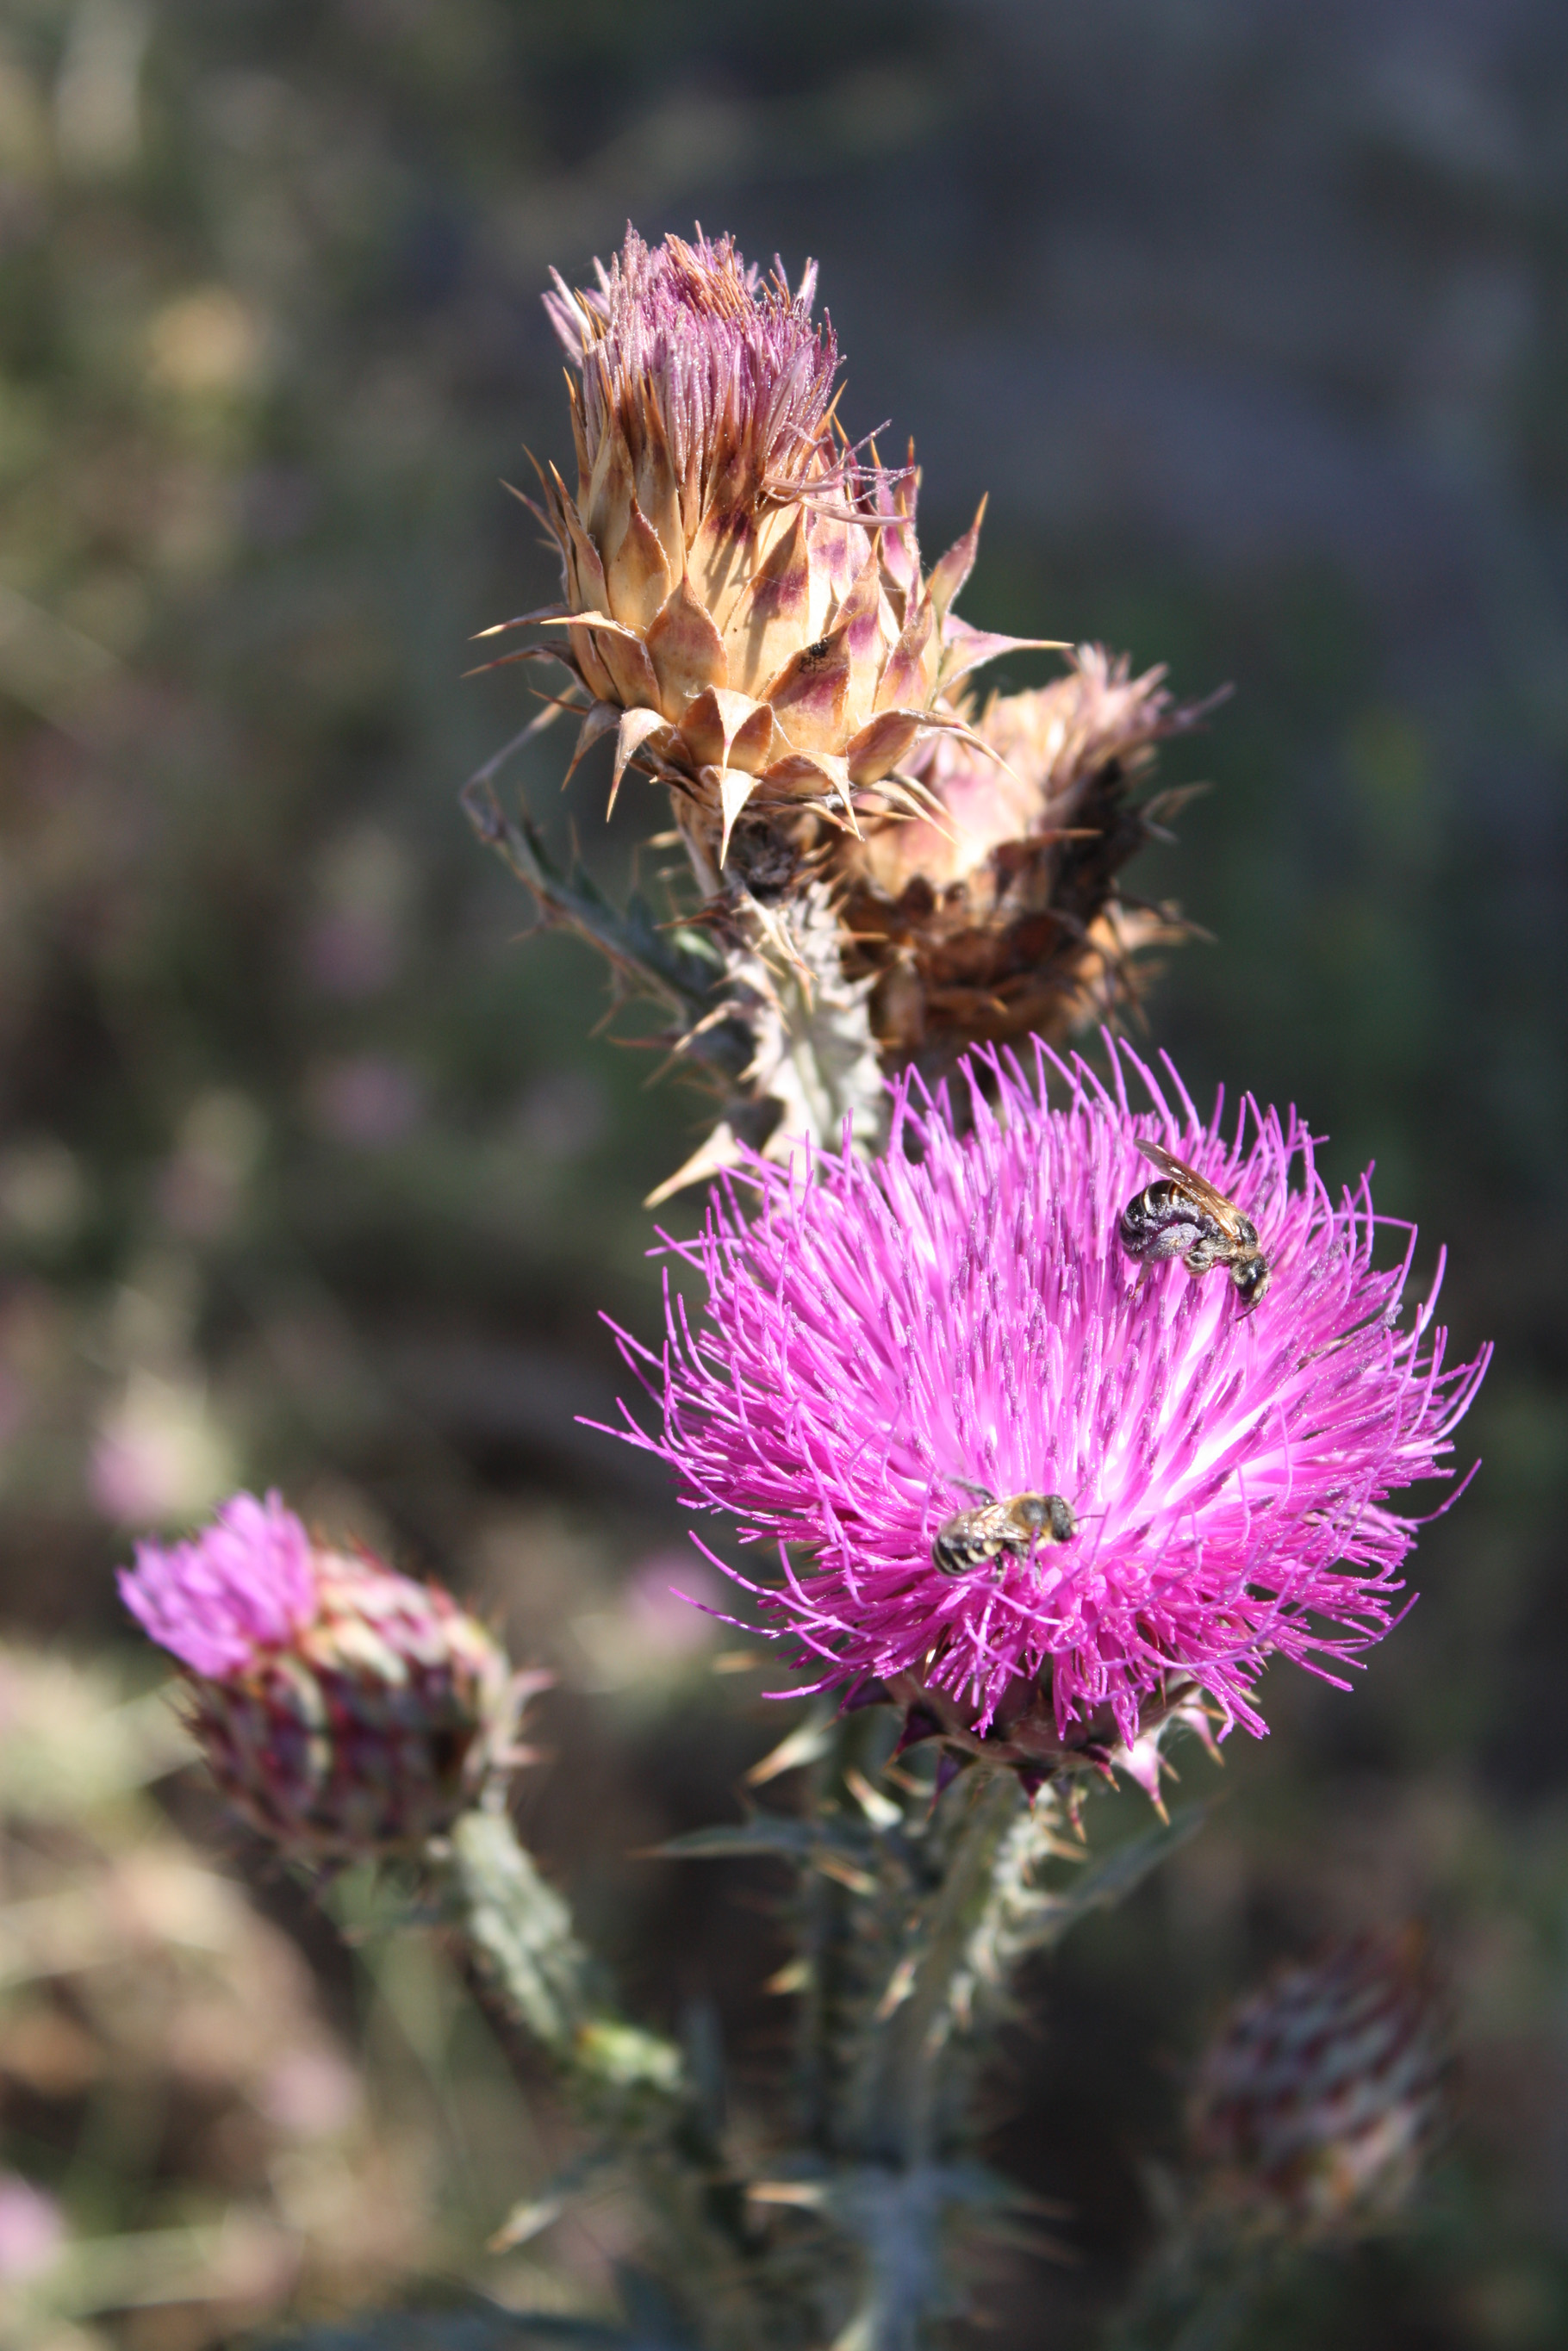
(742, 597)
(1321, 2097)
(345, 1710)
(996, 915)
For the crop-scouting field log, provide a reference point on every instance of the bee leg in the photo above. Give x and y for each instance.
(1208, 1250)
(1176, 1240)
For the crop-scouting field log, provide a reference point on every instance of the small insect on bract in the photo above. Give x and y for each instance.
(971, 1539)
(1183, 1216)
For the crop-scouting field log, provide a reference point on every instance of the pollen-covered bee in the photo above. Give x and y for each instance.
(970, 1539)
(1183, 1216)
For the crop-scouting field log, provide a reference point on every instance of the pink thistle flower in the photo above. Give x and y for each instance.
(246, 1583)
(882, 1340)
(342, 1707)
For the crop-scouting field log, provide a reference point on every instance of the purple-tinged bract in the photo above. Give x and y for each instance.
(886, 1342)
(735, 368)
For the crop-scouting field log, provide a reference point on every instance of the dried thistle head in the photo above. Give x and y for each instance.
(998, 915)
(743, 602)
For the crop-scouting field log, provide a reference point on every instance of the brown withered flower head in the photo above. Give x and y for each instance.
(743, 602)
(998, 915)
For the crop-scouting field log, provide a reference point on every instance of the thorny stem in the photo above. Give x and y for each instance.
(901, 2102)
(900, 1954)
(912, 1918)
(633, 2088)
(754, 999)
(832, 1952)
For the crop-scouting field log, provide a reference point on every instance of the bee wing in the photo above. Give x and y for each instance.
(1196, 1186)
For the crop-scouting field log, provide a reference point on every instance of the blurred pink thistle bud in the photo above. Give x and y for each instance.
(344, 1709)
(32, 2229)
(889, 1348)
(1322, 2094)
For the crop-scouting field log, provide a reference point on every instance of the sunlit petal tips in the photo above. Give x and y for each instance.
(882, 1339)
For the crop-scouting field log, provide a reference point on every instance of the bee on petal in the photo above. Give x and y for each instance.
(971, 1539)
(1183, 1216)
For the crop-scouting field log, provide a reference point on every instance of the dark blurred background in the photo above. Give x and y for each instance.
(1253, 320)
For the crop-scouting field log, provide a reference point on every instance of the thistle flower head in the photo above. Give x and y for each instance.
(687, 345)
(996, 913)
(1323, 2094)
(344, 1709)
(742, 597)
(886, 1346)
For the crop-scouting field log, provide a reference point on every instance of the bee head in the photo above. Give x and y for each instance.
(1049, 1515)
(1137, 1226)
(1061, 1517)
(1252, 1277)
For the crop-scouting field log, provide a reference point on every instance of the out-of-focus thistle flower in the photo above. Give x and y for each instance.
(996, 915)
(344, 1709)
(1320, 2099)
(743, 601)
(887, 1345)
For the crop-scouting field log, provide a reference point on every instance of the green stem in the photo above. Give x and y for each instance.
(907, 1950)
(632, 2087)
(1199, 2290)
(901, 2107)
(834, 1940)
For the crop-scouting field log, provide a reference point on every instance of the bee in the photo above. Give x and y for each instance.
(971, 1538)
(1183, 1216)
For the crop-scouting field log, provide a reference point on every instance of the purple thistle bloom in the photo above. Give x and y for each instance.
(883, 1340)
(343, 1708)
(245, 1583)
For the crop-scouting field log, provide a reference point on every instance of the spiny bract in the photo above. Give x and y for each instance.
(996, 915)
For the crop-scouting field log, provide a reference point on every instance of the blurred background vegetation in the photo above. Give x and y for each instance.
(1254, 322)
